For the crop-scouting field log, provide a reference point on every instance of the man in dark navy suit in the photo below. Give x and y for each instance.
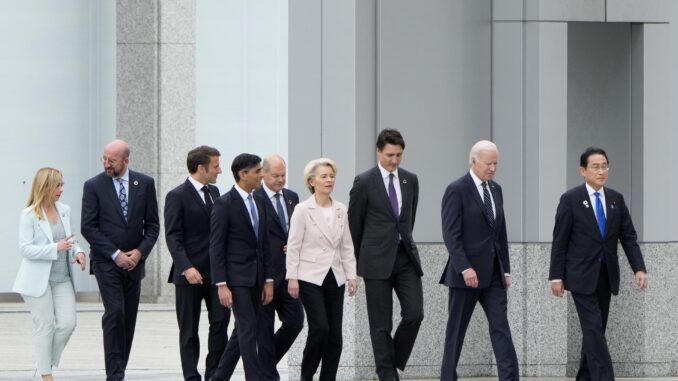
(478, 269)
(120, 222)
(241, 263)
(280, 203)
(187, 231)
(381, 214)
(591, 219)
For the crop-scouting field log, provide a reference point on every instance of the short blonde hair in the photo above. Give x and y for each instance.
(312, 166)
(46, 181)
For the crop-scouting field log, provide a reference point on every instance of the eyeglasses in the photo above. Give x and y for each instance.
(600, 168)
(108, 160)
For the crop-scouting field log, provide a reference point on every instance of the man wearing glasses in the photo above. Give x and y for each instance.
(120, 222)
(590, 220)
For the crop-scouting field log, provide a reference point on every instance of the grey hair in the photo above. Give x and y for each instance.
(482, 145)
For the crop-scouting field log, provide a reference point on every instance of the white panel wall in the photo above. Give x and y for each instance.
(241, 78)
(57, 105)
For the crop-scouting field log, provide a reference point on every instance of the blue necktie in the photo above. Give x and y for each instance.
(488, 204)
(122, 196)
(600, 214)
(281, 212)
(255, 217)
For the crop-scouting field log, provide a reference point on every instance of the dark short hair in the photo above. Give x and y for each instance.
(200, 156)
(244, 162)
(390, 136)
(584, 158)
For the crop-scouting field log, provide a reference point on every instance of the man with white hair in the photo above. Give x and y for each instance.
(478, 268)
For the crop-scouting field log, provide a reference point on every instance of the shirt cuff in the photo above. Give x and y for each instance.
(466, 270)
(556, 280)
(507, 274)
(115, 255)
(220, 284)
(269, 280)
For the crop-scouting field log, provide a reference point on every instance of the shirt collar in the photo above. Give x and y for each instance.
(268, 191)
(242, 192)
(591, 191)
(385, 173)
(124, 177)
(475, 178)
(197, 184)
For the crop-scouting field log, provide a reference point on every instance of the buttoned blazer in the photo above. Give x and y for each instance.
(374, 227)
(277, 235)
(39, 250)
(470, 239)
(187, 231)
(578, 246)
(238, 256)
(313, 247)
(104, 226)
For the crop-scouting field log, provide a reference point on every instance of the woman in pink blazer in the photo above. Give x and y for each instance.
(320, 261)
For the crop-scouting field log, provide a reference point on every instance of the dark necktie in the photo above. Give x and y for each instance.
(208, 198)
(281, 212)
(393, 196)
(488, 204)
(122, 196)
(255, 217)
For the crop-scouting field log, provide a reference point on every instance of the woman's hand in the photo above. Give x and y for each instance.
(66, 243)
(293, 288)
(81, 259)
(352, 287)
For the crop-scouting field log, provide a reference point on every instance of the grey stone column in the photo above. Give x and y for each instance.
(156, 105)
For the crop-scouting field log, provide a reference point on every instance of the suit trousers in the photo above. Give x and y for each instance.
(461, 303)
(188, 307)
(593, 310)
(324, 307)
(393, 352)
(291, 315)
(53, 316)
(120, 295)
(249, 321)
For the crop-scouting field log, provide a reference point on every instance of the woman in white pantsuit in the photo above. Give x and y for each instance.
(45, 282)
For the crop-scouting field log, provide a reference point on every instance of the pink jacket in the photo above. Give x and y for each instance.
(313, 247)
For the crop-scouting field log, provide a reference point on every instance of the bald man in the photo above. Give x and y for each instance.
(120, 222)
(280, 202)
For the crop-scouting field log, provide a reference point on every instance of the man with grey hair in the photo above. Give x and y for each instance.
(478, 268)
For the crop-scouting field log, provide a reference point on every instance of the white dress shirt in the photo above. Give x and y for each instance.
(479, 187)
(116, 184)
(198, 187)
(271, 195)
(396, 184)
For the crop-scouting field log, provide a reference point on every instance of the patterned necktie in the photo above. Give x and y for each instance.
(600, 214)
(255, 217)
(208, 198)
(122, 196)
(393, 196)
(488, 204)
(281, 212)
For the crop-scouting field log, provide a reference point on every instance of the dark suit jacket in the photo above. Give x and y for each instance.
(578, 245)
(103, 224)
(187, 231)
(374, 227)
(277, 236)
(468, 235)
(237, 256)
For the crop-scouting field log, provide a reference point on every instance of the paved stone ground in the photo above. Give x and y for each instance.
(155, 353)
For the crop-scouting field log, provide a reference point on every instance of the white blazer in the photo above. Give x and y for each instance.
(313, 247)
(39, 250)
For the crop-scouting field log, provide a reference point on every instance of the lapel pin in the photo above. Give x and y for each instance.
(289, 202)
(586, 203)
(136, 182)
(612, 205)
(404, 181)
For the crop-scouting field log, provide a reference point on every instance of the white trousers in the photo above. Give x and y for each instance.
(53, 316)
